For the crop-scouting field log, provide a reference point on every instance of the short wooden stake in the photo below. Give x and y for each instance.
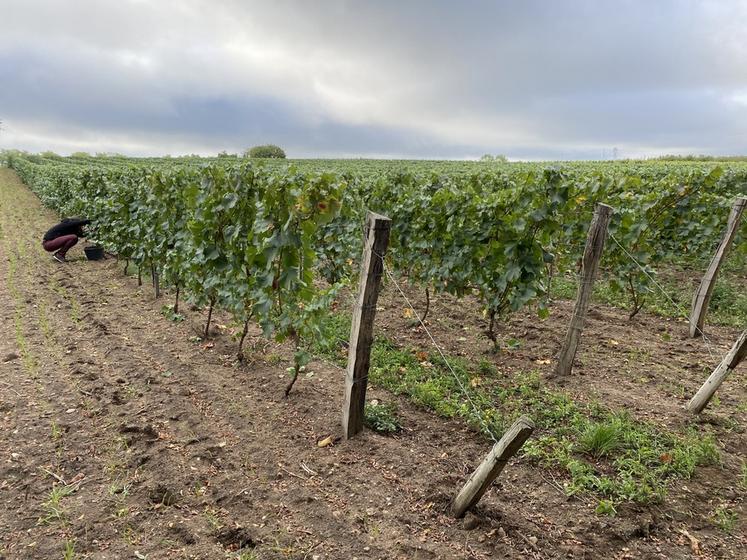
(491, 466)
(361, 332)
(589, 267)
(703, 294)
(736, 355)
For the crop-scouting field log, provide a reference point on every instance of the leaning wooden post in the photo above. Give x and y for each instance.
(737, 354)
(491, 466)
(589, 267)
(361, 332)
(703, 296)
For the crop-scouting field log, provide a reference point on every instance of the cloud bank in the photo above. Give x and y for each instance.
(350, 78)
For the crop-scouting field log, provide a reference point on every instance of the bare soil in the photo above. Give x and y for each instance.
(125, 437)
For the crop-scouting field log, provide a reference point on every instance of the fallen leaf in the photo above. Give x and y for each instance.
(407, 313)
(421, 356)
(542, 362)
(613, 342)
(325, 442)
(694, 543)
(78, 477)
(665, 457)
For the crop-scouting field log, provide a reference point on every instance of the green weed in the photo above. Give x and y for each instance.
(381, 418)
(53, 505)
(56, 431)
(600, 440)
(486, 367)
(725, 518)
(212, 519)
(606, 507)
(68, 552)
(168, 312)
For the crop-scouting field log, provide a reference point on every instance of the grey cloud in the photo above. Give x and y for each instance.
(431, 78)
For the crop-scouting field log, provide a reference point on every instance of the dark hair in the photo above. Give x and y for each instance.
(82, 221)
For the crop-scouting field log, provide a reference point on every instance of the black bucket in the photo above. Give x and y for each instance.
(94, 252)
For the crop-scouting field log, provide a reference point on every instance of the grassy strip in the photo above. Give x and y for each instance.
(728, 304)
(600, 451)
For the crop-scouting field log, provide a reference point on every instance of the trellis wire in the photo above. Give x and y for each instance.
(666, 294)
(479, 416)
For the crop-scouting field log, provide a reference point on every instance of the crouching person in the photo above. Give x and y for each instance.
(60, 238)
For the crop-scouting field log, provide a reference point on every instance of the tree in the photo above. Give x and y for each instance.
(266, 151)
(499, 158)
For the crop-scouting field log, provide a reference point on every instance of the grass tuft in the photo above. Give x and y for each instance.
(602, 439)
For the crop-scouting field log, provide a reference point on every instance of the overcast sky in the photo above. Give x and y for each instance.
(387, 78)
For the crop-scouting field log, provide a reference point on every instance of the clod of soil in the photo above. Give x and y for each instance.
(182, 534)
(161, 494)
(137, 432)
(471, 522)
(235, 538)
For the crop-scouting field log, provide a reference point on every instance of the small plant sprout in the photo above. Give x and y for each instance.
(381, 418)
(68, 552)
(53, 507)
(606, 507)
(724, 518)
(56, 431)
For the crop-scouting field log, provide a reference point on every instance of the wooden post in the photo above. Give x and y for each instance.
(491, 466)
(737, 354)
(361, 331)
(589, 266)
(703, 295)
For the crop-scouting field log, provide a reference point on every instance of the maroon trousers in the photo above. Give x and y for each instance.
(60, 244)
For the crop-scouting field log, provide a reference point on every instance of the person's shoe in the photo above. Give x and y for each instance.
(59, 258)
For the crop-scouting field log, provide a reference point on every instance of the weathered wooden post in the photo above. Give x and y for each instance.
(732, 359)
(703, 294)
(361, 332)
(589, 267)
(491, 466)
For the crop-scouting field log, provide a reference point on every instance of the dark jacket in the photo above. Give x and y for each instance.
(66, 227)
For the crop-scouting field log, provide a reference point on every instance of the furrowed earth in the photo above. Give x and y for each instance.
(125, 435)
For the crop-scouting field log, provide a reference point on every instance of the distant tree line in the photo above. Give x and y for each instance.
(700, 157)
(498, 158)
